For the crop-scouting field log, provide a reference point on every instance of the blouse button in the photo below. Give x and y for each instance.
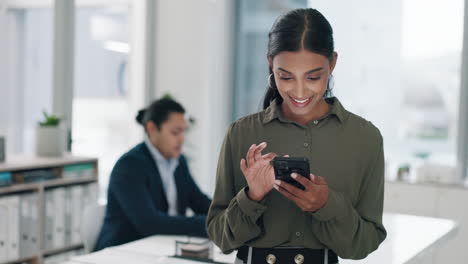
(299, 259)
(315, 122)
(306, 144)
(271, 259)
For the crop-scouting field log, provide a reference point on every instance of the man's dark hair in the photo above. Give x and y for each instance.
(159, 112)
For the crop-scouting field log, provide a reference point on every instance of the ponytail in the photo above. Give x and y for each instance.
(140, 116)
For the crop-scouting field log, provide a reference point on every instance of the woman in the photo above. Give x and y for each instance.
(339, 213)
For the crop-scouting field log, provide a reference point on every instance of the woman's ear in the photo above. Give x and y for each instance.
(270, 62)
(333, 61)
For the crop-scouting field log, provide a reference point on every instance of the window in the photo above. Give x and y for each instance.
(103, 119)
(104, 103)
(400, 68)
(397, 67)
(254, 20)
(25, 71)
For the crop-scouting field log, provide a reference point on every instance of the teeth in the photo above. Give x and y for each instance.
(301, 101)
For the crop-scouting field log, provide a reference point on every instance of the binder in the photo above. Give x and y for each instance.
(86, 197)
(24, 226)
(3, 230)
(36, 175)
(6, 179)
(49, 220)
(59, 218)
(79, 170)
(89, 194)
(93, 192)
(34, 222)
(68, 217)
(76, 192)
(13, 227)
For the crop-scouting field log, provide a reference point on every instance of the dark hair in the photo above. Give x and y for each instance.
(304, 28)
(159, 111)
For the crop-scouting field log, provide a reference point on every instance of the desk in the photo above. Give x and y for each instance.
(409, 238)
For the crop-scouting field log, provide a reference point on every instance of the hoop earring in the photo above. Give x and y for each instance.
(331, 82)
(269, 81)
(330, 86)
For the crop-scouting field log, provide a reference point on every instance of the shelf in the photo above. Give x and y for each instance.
(16, 163)
(33, 259)
(62, 250)
(461, 185)
(22, 187)
(68, 181)
(33, 186)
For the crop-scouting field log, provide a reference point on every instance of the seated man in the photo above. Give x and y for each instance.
(151, 187)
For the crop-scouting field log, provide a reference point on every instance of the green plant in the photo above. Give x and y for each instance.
(167, 96)
(422, 154)
(50, 119)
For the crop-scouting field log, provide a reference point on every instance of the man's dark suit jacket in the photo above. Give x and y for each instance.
(137, 205)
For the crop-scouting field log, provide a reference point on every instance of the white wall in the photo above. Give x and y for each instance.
(3, 73)
(193, 54)
(11, 92)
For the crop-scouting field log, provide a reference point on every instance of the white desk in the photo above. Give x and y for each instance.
(409, 238)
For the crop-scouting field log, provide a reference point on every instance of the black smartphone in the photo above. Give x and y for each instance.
(284, 166)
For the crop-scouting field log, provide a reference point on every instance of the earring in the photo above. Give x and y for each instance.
(330, 85)
(331, 82)
(269, 81)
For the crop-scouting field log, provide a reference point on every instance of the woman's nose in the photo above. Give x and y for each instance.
(300, 89)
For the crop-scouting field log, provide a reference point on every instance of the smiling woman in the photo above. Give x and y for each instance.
(339, 213)
(303, 85)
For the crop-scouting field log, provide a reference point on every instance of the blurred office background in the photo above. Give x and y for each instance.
(97, 62)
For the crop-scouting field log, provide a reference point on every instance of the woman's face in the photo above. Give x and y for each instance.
(302, 79)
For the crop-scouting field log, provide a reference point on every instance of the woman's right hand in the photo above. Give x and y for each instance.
(258, 171)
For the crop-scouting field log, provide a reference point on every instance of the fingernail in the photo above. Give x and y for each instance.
(276, 187)
(263, 143)
(294, 175)
(278, 182)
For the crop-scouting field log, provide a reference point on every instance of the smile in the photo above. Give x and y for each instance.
(300, 103)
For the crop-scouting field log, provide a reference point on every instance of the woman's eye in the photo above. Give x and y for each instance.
(314, 78)
(285, 78)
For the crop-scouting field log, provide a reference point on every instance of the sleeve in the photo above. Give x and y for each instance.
(132, 194)
(354, 232)
(198, 201)
(233, 219)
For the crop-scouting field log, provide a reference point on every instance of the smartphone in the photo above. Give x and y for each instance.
(284, 166)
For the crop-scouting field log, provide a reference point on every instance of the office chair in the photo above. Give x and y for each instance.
(93, 218)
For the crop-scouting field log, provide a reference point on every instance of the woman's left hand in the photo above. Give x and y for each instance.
(312, 198)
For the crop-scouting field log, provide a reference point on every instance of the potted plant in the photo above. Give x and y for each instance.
(50, 136)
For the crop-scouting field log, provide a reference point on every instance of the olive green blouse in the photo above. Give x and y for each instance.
(342, 147)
